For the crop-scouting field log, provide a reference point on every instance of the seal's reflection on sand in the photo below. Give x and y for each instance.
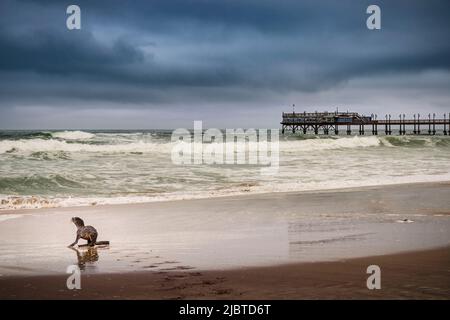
(89, 256)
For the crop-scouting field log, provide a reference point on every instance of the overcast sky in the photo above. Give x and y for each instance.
(230, 63)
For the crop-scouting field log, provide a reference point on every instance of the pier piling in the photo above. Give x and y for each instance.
(415, 131)
(429, 123)
(404, 125)
(418, 123)
(386, 129)
(445, 125)
(324, 122)
(434, 124)
(390, 130)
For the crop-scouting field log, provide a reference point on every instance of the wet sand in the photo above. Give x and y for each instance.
(415, 275)
(287, 245)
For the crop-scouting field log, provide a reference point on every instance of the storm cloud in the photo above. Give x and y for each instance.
(163, 64)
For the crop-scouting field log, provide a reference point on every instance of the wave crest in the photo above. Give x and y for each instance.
(73, 135)
(41, 145)
(330, 144)
(36, 183)
(79, 141)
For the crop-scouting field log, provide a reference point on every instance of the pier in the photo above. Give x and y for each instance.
(329, 122)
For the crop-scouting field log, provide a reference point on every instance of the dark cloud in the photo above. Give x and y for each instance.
(167, 54)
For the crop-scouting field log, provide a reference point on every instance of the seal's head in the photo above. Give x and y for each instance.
(78, 222)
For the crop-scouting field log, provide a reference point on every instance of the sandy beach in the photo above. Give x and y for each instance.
(278, 245)
(225, 150)
(416, 275)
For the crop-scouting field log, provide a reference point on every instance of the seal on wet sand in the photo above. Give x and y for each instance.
(88, 233)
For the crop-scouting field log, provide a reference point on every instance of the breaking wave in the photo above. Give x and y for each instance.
(37, 146)
(73, 143)
(34, 202)
(40, 145)
(73, 135)
(37, 183)
(331, 143)
(72, 168)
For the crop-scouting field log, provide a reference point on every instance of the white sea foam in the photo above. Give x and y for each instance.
(32, 202)
(41, 145)
(331, 143)
(73, 135)
(25, 202)
(44, 145)
(131, 167)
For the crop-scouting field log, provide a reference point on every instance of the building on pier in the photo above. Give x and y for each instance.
(327, 122)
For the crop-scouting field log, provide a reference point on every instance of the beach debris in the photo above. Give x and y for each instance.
(405, 221)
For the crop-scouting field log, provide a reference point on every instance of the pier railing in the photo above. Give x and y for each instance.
(332, 121)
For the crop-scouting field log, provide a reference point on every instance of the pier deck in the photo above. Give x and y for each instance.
(333, 121)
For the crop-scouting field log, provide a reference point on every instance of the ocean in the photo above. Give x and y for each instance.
(85, 168)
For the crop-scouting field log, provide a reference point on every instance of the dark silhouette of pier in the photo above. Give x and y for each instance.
(327, 122)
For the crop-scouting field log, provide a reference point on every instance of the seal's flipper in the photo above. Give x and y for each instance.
(98, 243)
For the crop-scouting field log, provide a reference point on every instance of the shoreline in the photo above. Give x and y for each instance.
(410, 275)
(217, 248)
(226, 196)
